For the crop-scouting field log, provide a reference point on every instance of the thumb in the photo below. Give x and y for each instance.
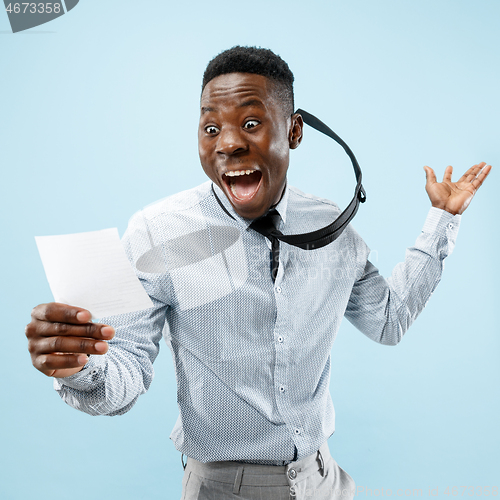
(429, 175)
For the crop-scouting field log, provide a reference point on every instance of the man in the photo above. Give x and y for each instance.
(250, 336)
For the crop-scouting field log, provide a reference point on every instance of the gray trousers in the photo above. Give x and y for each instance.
(316, 476)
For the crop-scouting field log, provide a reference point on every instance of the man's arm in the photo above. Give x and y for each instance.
(384, 309)
(120, 367)
(111, 384)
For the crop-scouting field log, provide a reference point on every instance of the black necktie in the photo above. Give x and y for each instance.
(267, 226)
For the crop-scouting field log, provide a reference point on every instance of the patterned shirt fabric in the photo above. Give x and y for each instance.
(252, 357)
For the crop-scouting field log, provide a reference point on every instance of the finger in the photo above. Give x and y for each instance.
(430, 175)
(91, 330)
(478, 181)
(472, 172)
(47, 363)
(62, 313)
(75, 345)
(448, 171)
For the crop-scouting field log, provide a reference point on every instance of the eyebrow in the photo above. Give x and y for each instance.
(206, 109)
(250, 102)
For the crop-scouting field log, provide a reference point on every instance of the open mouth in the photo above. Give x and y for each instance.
(243, 184)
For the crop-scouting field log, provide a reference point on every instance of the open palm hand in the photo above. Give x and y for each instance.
(454, 197)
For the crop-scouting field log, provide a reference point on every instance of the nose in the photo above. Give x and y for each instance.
(231, 141)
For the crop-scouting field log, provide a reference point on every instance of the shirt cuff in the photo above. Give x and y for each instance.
(442, 222)
(85, 379)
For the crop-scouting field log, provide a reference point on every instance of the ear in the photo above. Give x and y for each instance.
(296, 130)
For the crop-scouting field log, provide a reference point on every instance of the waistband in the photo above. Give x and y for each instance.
(241, 473)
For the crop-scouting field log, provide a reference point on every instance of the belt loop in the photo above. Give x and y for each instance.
(321, 464)
(237, 481)
(182, 461)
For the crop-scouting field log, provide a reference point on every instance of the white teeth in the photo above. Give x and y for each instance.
(235, 173)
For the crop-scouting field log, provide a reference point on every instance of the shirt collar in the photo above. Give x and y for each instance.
(281, 207)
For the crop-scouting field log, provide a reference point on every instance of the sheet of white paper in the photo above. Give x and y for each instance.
(91, 270)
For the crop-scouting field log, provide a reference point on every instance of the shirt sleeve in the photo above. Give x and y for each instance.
(383, 309)
(110, 384)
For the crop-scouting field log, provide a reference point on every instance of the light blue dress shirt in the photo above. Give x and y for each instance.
(252, 357)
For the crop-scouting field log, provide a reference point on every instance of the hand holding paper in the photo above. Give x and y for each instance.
(91, 272)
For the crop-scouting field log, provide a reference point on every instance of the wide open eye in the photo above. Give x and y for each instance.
(250, 124)
(212, 130)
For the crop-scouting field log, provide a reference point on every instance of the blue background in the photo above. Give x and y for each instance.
(98, 117)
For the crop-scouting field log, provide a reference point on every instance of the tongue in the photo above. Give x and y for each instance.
(244, 186)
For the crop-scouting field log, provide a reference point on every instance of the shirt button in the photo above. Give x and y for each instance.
(292, 473)
(450, 225)
(278, 289)
(297, 431)
(282, 388)
(94, 371)
(280, 339)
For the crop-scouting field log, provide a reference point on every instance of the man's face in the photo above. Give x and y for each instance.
(244, 140)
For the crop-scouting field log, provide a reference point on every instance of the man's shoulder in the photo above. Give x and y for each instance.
(298, 201)
(298, 197)
(307, 212)
(178, 202)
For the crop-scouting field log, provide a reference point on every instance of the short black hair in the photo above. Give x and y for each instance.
(257, 61)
